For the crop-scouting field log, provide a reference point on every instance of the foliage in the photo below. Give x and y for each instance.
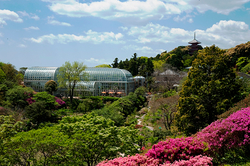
(131, 161)
(60, 103)
(210, 89)
(112, 114)
(197, 160)
(100, 100)
(49, 100)
(9, 127)
(74, 104)
(169, 93)
(176, 149)
(230, 133)
(96, 138)
(69, 75)
(2, 76)
(18, 95)
(163, 110)
(237, 106)
(241, 62)
(136, 66)
(104, 65)
(241, 50)
(10, 73)
(85, 106)
(46, 146)
(38, 113)
(50, 86)
(246, 69)
(63, 112)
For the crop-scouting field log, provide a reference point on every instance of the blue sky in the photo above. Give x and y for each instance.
(50, 32)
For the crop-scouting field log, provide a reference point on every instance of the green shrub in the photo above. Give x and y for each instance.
(74, 105)
(85, 106)
(38, 113)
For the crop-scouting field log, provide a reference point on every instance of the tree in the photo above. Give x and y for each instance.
(209, 90)
(115, 64)
(95, 138)
(104, 65)
(167, 108)
(50, 100)
(45, 146)
(50, 86)
(70, 74)
(38, 113)
(18, 96)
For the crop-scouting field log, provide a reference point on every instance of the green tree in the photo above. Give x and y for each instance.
(2, 76)
(209, 90)
(95, 138)
(38, 113)
(18, 95)
(115, 64)
(23, 69)
(45, 146)
(50, 86)
(103, 65)
(70, 74)
(50, 101)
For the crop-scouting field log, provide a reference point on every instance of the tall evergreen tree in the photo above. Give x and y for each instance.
(115, 64)
(209, 90)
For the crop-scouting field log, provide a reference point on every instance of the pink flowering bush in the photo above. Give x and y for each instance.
(228, 133)
(30, 100)
(131, 161)
(194, 161)
(228, 138)
(177, 149)
(60, 102)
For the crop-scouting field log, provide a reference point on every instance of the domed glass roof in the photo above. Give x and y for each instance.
(94, 74)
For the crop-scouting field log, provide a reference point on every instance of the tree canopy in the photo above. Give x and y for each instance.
(70, 74)
(209, 90)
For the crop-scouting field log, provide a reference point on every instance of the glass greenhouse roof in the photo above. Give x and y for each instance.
(108, 74)
(94, 74)
(41, 73)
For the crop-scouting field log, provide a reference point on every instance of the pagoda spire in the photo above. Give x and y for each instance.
(194, 45)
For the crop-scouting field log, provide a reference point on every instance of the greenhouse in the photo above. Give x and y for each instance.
(100, 81)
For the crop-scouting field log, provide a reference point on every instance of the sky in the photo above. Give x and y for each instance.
(51, 32)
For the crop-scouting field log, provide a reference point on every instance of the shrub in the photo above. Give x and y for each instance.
(131, 161)
(195, 161)
(177, 149)
(241, 104)
(38, 113)
(229, 133)
(85, 106)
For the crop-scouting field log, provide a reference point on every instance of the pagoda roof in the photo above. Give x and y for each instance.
(194, 42)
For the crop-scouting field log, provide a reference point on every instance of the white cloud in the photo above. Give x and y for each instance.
(95, 62)
(224, 34)
(186, 17)
(218, 6)
(139, 12)
(90, 36)
(55, 22)
(31, 15)
(143, 49)
(22, 46)
(8, 15)
(131, 11)
(31, 28)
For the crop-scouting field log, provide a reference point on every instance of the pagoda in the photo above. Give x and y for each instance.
(194, 46)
